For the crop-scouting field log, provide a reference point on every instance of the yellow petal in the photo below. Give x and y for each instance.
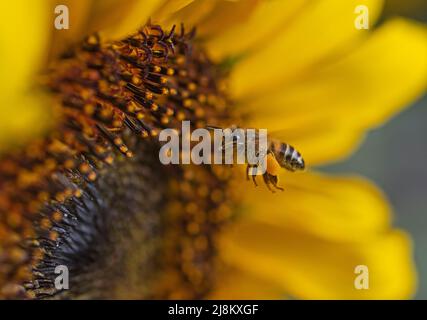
(232, 284)
(113, 18)
(168, 8)
(319, 140)
(343, 99)
(193, 14)
(118, 18)
(23, 36)
(263, 25)
(309, 267)
(23, 117)
(323, 29)
(79, 21)
(339, 208)
(226, 14)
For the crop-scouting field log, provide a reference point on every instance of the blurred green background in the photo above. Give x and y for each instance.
(395, 158)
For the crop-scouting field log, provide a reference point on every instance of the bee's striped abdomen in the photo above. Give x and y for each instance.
(291, 157)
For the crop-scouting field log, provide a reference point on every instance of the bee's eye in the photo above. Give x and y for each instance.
(300, 163)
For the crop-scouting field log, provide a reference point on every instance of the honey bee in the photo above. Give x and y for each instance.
(277, 155)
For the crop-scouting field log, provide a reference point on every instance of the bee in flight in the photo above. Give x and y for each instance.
(277, 155)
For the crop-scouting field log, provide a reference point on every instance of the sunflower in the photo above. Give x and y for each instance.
(85, 188)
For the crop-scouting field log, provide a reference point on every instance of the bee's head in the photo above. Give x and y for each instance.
(299, 163)
(288, 157)
(292, 162)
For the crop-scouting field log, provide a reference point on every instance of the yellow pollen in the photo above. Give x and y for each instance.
(92, 176)
(57, 216)
(109, 159)
(148, 95)
(136, 80)
(188, 103)
(78, 193)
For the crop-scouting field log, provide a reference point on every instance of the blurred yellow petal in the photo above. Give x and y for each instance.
(234, 284)
(335, 105)
(309, 267)
(168, 8)
(23, 117)
(262, 26)
(113, 18)
(23, 40)
(350, 206)
(118, 18)
(319, 140)
(376, 80)
(192, 15)
(79, 19)
(324, 29)
(226, 14)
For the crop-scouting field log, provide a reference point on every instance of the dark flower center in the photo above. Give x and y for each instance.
(92, 194)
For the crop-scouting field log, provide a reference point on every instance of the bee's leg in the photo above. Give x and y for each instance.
(266, 177)
(254, 180)
(274, 180)
(254, 168)
(278, 188)
(250, 168)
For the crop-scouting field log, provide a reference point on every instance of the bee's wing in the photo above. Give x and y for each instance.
(228, 145)
(236, 141)
(284, 135)
(231, 144)
(281, 135)
(212, 128)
